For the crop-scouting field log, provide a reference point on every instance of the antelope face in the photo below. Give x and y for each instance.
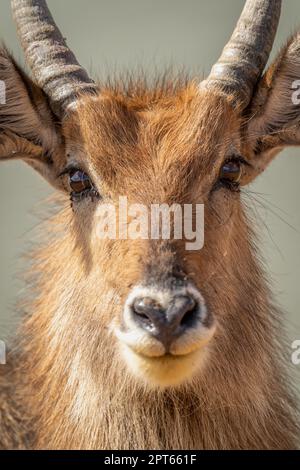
(160, 305)
(156, 154)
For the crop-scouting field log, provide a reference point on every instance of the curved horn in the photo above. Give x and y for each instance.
(246, 54)
(53, 64)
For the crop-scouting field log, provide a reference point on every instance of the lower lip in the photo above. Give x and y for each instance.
(168, 370)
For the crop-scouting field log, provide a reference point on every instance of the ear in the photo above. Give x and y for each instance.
(274, 118)
(28, 128)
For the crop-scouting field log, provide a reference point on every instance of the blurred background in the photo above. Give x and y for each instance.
(115, 35)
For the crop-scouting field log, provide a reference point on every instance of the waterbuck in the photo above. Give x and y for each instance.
(142, 343)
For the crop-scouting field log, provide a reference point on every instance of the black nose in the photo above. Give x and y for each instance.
(166, 324)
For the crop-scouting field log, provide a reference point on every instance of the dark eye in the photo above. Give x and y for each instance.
(79, 181)
(231, 173)
(81, 185)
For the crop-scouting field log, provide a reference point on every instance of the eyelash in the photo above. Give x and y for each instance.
(92, 193)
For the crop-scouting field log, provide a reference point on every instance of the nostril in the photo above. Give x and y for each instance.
(184, 311)
(190, 316)
(141, 315)
(146, 310)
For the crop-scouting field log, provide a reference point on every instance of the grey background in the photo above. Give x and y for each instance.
(109, 35)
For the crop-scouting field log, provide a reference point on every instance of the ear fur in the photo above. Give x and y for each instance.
(28, 129)
(273, 119)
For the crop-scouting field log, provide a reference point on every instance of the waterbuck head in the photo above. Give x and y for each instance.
(165, 308)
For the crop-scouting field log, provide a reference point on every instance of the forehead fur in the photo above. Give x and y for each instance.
(147, 138)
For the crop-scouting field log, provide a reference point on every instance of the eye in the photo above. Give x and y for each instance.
(231, 173)
(81, 185)
(79, 181)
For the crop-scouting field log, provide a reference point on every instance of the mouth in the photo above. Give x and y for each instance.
(164, 371)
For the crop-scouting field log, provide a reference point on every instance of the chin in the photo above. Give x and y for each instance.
(167, 371)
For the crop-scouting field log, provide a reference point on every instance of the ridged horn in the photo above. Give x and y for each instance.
(53, 64)
(245, 55)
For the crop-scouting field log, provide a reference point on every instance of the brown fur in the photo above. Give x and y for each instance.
(161, 144)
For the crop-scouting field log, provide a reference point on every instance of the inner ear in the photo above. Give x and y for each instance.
(273, 117)
(28, 129)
